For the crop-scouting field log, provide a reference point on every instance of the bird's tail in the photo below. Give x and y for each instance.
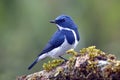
(35, 62)
(40, 57)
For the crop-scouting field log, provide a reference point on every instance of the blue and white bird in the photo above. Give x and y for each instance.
(66, 37)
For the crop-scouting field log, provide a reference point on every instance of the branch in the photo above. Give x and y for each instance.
(88, 64)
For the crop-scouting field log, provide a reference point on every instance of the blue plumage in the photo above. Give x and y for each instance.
(56, 40)
(69, 36)
(65, 38)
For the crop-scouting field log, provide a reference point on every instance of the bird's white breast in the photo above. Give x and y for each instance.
(59, 51)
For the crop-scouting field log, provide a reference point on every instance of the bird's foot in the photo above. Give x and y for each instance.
(63, 58)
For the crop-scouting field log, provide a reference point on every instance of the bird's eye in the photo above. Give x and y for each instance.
(62, 20)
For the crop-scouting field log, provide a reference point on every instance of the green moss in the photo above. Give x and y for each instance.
(93, 64)
(52, 64)
(88, 64)
(72, 52)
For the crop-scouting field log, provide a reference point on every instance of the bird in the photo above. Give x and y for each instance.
(66, 37)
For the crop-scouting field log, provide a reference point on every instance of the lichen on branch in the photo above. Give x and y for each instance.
(88, 64)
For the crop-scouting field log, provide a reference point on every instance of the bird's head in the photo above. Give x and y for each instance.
(64, 21)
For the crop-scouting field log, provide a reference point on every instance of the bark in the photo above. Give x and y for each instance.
(88, 64)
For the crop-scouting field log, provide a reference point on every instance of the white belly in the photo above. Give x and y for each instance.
(61, 50)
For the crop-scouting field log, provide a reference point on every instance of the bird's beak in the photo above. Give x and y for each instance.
(52, 21)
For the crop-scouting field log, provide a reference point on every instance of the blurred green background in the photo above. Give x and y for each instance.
(25, 29)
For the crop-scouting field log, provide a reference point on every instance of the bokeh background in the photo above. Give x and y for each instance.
(25, 29)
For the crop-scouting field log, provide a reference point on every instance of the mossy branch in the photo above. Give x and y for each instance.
(88, 64)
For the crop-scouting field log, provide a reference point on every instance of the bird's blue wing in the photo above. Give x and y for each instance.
(56, 40)
(69, 36)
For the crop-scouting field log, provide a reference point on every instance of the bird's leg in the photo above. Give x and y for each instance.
(63, 58)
